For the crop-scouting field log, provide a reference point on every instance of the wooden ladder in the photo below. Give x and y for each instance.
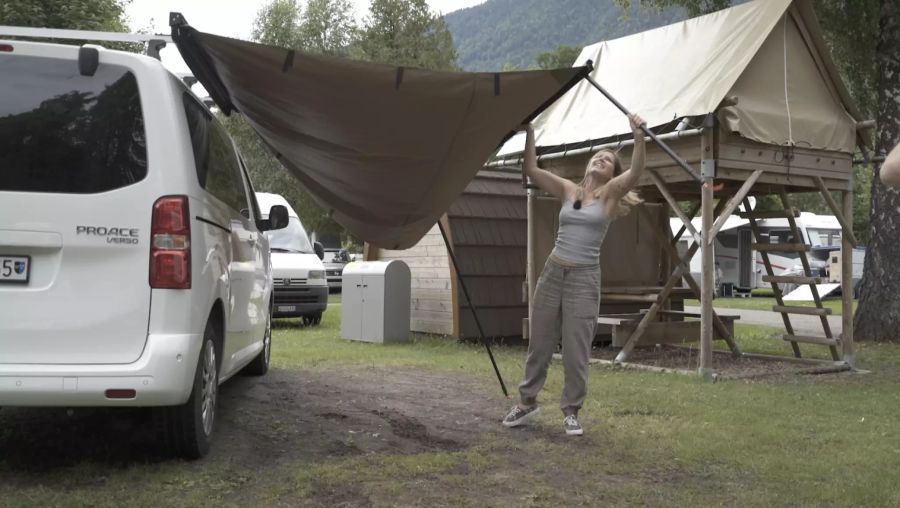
(764, 248)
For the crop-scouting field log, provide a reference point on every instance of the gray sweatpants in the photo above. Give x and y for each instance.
(566, 304)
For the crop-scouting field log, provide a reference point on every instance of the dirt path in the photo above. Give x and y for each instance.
(285, 415)
(334, 436)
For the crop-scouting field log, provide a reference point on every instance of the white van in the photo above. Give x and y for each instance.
(138, 271)
(301, 289)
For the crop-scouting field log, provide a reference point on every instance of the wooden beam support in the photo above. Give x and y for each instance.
(808, 311)
(807, 339)
(732, 205)
(720, 325)
(847, 283)
(651, 312)
(673, 203)
(682, 267)
(836, 210)
(680, 232)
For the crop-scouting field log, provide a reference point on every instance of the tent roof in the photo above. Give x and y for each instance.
(384, 149)
(768, 53)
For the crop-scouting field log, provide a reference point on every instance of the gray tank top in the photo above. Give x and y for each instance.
(581, 232)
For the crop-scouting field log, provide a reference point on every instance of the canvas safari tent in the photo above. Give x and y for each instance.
(749, 97)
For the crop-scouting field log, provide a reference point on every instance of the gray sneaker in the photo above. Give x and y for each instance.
(518, 416)
(573, 428)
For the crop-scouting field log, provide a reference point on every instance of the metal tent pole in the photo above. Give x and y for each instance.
(678, 160)
(462, 284)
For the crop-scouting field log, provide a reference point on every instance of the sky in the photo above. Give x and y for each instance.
(230, 18)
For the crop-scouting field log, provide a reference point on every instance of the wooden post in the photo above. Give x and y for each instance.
(847, 282)
(707, 281)
(665, 262)
(707, 248)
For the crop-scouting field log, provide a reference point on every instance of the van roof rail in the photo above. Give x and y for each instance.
(154, 42)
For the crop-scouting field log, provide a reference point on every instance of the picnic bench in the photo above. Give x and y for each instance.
(670, 327)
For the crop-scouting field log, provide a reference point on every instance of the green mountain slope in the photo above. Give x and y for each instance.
(497, 32)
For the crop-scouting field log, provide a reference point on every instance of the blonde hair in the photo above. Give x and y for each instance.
(628, 201)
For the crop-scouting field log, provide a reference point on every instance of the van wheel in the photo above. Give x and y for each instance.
(312, 320)
(187, 429)
(260, 365)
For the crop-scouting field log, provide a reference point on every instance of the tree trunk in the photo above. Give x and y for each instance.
(878, 316)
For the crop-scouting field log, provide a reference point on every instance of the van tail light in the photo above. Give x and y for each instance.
(6, 48)
(170, 244)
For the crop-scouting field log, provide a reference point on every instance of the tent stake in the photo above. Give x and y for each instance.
(671, 153)
(462, 284)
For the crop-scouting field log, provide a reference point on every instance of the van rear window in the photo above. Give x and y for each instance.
(67, 133)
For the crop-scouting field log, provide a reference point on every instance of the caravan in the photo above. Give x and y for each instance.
(742, 267)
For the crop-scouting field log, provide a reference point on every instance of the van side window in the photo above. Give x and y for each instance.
(217, 165)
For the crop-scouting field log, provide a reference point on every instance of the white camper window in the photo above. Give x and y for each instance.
(824, 237)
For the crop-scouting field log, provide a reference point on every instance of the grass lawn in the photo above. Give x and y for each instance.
(766, 303)
(651, 439)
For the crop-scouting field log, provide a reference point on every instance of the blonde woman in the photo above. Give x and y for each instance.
(567, 296)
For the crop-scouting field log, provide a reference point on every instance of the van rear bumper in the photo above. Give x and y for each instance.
(162, 376)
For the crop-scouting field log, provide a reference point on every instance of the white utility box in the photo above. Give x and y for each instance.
(375, 301)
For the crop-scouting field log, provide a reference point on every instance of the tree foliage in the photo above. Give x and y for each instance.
(694, 7)
(99, 15)
(562, 56)
(402, 32)
(328, 26)
(406, 32)
(278, 24)
(95, 15)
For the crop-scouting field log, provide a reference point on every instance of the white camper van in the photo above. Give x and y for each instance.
(133, 266)
(301, 289)
(743, 267)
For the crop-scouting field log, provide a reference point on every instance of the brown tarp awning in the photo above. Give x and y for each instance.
(384, 149)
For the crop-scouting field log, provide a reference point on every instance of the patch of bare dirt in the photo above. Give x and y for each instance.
(286, 415)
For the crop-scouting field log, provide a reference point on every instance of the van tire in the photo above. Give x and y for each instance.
(183, 428)
(312, 319)
(260, 365)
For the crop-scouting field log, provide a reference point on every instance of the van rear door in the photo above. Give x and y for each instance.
(74, 212)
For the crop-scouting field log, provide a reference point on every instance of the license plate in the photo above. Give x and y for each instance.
(287, 308)
(14, 268)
